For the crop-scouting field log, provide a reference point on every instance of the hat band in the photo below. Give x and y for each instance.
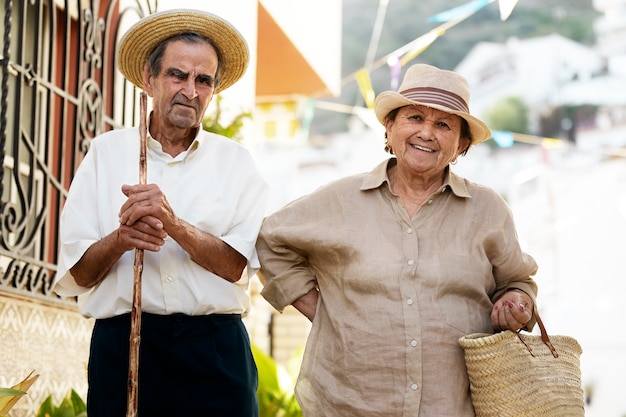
(429, 95)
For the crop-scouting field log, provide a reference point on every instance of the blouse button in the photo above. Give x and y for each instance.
(169, 278)
(410, 262)
(409, 301)
(409, 230)
(414, 387)
(413, 343)
(430, 201)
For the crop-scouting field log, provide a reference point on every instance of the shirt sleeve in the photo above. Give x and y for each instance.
(512, 267)
(285, 270)
(250, 210)
(78, 226)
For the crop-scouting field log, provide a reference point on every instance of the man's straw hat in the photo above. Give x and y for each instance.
(145, 35)
(433, 87)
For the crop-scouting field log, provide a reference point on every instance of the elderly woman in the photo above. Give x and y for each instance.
(394, 265)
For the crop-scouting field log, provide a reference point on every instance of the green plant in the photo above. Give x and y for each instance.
(10, 396)
(509, 114)
(71, 406)
(275, 393)
(213, 123)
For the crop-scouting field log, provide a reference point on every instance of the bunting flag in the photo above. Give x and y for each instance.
(506, 139)
(460, 12)
(402, 56)
(468, 9)
(396, 70)
(420, 44)
(365, 85)
(506, 8)
(502, 138)
(449, 18)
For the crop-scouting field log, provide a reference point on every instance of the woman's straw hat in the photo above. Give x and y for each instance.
(145, 35)
(433, 87)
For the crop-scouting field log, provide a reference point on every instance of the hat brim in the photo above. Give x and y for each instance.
(391, 100)
(144, 36)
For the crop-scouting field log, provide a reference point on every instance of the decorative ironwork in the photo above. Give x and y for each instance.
(59, 89)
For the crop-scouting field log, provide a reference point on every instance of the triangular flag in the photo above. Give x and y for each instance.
(396, 70)
(502, 138)
(459, 12)
(420, 44)
(506, 8)
(365, 85)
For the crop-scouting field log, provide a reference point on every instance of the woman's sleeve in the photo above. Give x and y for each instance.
(283, 250)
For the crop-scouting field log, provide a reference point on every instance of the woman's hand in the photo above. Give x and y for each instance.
(512, 311)
(307, 304)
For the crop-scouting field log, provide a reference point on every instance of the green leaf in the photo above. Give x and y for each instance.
(78, 403)
(46, 409)
(66, 409)
(10, 392)
(275, 394)
(267, 369)
(8, 401)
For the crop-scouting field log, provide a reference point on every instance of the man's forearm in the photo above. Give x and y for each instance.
(208, 251)
(96, 262)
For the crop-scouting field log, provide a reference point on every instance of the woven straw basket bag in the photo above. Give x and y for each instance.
(516, 375)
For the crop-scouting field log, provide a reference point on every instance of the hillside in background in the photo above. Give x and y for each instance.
(406, 20)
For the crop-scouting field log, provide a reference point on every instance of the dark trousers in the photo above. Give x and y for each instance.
(188, 366)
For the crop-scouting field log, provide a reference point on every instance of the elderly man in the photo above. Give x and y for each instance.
(197, 220)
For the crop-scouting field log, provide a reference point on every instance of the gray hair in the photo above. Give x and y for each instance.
(155, 59)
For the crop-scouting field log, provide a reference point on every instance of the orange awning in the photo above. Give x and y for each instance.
(281, 68)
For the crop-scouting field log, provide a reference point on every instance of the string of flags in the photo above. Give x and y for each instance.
(403, 55)
(506, 139)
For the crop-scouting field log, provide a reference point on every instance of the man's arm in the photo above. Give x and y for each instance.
(147, 204)
(208, 251)
(92, 267)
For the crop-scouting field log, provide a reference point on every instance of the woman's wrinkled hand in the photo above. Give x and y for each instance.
(512, 311)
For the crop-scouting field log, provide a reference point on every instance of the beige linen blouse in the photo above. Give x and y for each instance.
(395, 293)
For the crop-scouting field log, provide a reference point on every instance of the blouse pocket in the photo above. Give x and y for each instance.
(463, 289)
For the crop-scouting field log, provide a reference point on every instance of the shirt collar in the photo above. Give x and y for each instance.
(193, 147)
(378, 176)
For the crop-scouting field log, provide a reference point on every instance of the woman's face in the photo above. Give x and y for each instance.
(425, 140)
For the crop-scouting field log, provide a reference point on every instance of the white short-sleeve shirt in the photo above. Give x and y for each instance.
(214, 186)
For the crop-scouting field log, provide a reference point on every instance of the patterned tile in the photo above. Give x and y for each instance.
(50, 339)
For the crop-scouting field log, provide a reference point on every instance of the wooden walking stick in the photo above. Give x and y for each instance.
(135, 315)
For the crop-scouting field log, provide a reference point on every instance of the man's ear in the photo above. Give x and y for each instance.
(147, 80)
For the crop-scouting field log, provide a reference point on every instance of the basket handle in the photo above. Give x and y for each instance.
(544, 335)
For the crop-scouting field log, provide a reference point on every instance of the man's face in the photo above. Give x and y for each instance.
(182, 90)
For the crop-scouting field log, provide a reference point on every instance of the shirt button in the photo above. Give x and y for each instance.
(430, 202)
(169, 278)
(414, 387)
(409, 301)
(409, 230)
(443, 190)
(413, 343)
(410, 262)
